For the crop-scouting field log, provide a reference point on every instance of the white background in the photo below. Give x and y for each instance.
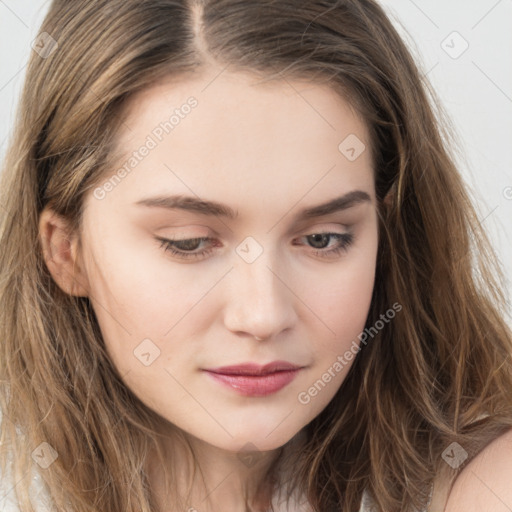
(475, 88)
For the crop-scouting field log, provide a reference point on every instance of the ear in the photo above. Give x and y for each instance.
(60, 252)
(389, 198)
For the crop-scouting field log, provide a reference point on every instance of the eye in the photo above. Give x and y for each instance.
(186, 245)
(344, 240)
(184, 249)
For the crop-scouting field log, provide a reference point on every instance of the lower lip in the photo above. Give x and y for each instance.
(261, 385)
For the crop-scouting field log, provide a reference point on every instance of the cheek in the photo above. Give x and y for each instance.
(344, 301)
(136, 288)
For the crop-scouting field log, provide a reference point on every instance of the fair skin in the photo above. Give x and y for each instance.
(483, 485)
(267, 151)
(262, 150)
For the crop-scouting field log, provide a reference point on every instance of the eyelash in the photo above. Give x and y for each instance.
(346, 239)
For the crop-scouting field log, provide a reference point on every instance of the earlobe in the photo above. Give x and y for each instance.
(389, 198)
(60, 253)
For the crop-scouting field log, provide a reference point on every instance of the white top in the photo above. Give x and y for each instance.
(40, 497)
(41, 500)
(367, 504)
(38, 492)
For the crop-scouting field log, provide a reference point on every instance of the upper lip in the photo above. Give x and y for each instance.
(254, 369)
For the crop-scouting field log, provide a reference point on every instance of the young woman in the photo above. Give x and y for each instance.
(240, 271)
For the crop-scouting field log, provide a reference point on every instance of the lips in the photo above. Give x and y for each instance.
(251, 379)
(254, 369)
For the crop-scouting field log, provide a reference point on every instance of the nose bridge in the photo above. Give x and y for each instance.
(259, 302)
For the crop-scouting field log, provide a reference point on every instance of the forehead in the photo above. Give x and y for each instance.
(231, 105)
(231, 133)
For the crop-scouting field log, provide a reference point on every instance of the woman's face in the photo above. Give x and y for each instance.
(267, 154)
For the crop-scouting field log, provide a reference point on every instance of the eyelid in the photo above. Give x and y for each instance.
(311, 229)
(322, 227)
(344, 242)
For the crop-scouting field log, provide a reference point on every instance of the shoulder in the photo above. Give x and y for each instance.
(485, 484)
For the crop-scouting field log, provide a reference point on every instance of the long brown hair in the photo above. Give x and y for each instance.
(438, 373)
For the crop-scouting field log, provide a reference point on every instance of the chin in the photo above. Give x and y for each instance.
(259, 441)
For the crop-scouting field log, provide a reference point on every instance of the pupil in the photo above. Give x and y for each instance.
(189, 244)
(319, 238)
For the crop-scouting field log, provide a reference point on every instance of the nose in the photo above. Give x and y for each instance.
(260, 300)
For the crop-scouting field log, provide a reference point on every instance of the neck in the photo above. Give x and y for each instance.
(220, 479)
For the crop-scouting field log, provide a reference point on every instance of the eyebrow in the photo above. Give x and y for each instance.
(204, 207)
